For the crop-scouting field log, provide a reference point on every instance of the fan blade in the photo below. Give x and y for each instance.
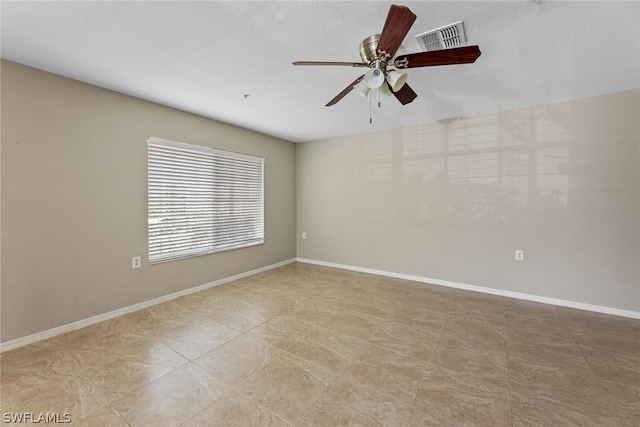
(348, 64)
(399, 21)
(456, 55)
(344, 92)
(405, 94)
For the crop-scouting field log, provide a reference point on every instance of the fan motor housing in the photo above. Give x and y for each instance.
(368, 48)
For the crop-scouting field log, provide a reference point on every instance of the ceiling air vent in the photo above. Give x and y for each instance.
(442, 38)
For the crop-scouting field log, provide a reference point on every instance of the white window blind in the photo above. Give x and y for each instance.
(202, 200)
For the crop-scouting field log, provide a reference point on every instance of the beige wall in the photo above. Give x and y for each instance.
(452, 201)
(449, 201)
(74, 201)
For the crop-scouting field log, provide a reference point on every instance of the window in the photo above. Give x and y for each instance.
(202, 200)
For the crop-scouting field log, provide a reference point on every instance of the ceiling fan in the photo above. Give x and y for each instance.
(378, 51)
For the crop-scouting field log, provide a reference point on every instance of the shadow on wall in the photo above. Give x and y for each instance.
(512, 167)
(452, 200)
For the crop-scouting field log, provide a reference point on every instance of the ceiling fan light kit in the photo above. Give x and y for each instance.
(384, 92)
(374, 78)
(378, 54)
(396, 80)
(362, 88)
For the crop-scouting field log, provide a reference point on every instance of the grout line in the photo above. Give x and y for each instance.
(69, 327)
(506, 339)
(485, 290)
(433, 350)
(339, 373)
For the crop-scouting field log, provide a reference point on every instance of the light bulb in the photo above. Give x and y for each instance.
(374, 78)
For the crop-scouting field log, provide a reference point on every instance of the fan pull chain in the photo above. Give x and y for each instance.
(370, 102)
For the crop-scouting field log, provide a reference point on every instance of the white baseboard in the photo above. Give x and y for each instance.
(49, 333)
(500, 292)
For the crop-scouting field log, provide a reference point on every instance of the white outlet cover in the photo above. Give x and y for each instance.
(135, 262)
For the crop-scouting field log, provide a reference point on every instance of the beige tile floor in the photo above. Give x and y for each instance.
(312, 346)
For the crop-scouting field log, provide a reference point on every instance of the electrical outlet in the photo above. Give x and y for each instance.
(519, 255)
(136, 262)
(304, 235)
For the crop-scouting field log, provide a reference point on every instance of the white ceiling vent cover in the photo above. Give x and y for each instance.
(442, 38)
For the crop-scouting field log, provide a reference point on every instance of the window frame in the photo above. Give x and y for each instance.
(201, 200)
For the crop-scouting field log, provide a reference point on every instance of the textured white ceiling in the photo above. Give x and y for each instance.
(203, 57)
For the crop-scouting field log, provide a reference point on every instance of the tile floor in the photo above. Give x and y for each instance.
(305, 345)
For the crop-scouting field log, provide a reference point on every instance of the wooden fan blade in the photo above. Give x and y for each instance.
(405, 94)
(456, 55)
(345, 91)
(399, 21)
(347, 64)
